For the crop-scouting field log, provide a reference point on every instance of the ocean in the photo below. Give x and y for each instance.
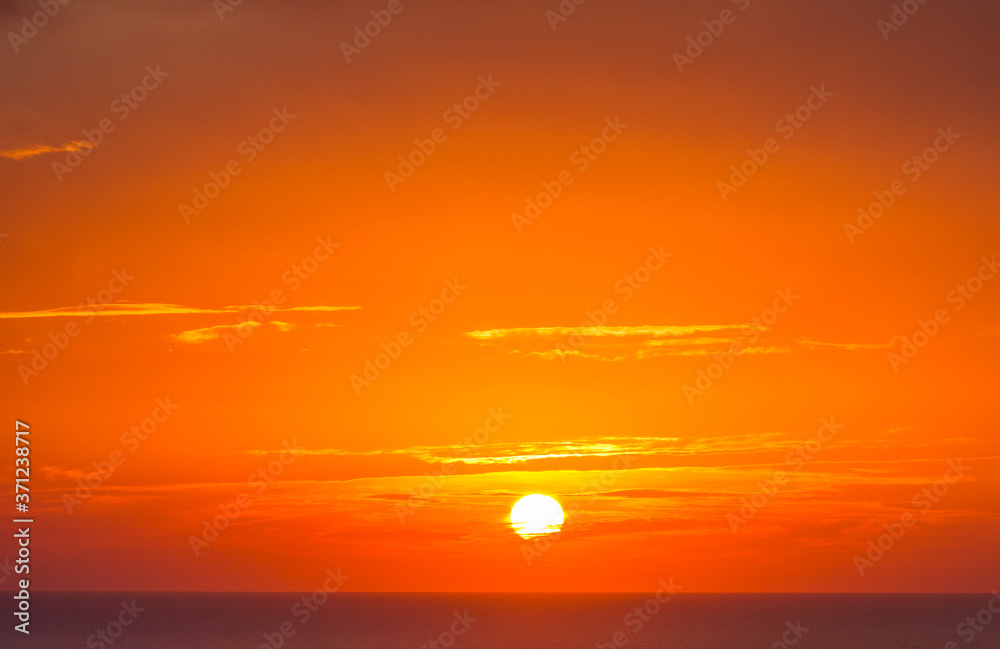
(507, 621)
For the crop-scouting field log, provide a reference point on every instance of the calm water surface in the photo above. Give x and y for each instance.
(479, 621)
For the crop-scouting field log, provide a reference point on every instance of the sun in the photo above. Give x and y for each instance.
(536, 515)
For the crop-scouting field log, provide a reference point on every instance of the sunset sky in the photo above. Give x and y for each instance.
(407, 304)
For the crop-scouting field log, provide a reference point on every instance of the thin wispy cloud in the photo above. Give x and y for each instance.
(207, 334)
(816, 344)
(593, 447)
(157, 308)
(739, 453)
(647, 341)
(24, 153)
(619, 343)
(647, 331)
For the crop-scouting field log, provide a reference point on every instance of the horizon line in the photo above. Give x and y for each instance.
(502, 592)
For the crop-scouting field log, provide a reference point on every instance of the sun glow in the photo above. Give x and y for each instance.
(536, 515)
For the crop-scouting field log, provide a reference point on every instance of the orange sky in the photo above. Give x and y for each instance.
(576, 339)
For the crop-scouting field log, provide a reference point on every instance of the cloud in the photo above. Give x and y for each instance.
(189, 336)
(508, 453)
(616, 332)
(624, 342)
(206, 334)
(646, 341)
(495, 453)
(659, 493)
(815, 344)
(730, 454)
(156, 308)
(40, 149)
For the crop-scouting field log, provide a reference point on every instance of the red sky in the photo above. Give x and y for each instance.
(639, 245)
